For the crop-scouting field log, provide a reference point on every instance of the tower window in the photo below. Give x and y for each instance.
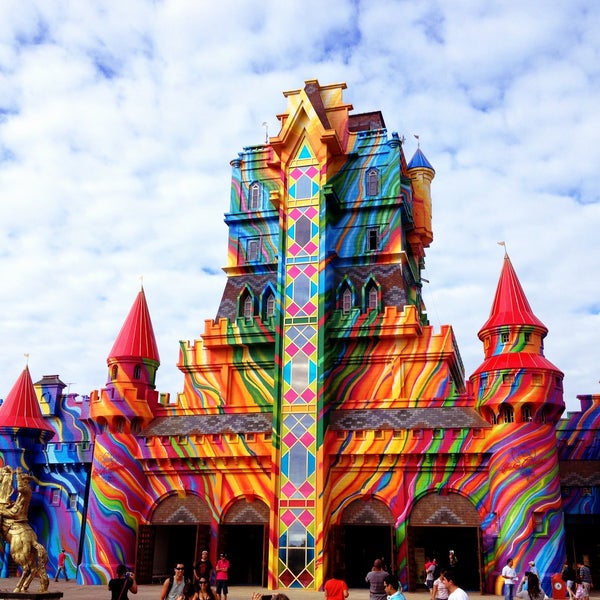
(254, 196)
(248, 307)
(505, 338)
(372, 239)
(137, 372)
(114, 372)
(526, 414)
(270, 305)
(373, 298)
(346, 301)
(252, 249)
(372, 182)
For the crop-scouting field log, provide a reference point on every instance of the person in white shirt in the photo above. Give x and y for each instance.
(439, 591)
(510, 579)
(456, 593)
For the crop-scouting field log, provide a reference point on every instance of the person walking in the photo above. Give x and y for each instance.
(568, 576)
(375, 578)
(586, 579)
(62, 557)
(510, 579)
(123, 583)
(335, 588)
(430, 568)
(222, 576)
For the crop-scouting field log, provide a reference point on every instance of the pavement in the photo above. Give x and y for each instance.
(73, 591)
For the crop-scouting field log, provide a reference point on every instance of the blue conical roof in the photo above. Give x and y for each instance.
(419, 160)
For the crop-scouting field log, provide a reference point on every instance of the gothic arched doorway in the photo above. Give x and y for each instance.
(439, 523)
(179, 531)
(243, 536)
(366, 532)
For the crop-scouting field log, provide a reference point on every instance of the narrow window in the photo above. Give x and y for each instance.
(114, 372)
(372, 298)
(372, 182)
(372, 239)
(254, 196)
(538, 522)
(137, 372)
(248, 307)
(252, 249)
(72, 501)
(54, 496)
(346, 301)
(507, 413)
(270, 306)
(526, 414)
(527, 337)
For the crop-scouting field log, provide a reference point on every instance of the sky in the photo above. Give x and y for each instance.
(118, 121)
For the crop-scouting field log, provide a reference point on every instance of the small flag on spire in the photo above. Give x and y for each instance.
(418, 141)
(501, 244)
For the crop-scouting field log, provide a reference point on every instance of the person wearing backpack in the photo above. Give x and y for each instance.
(177, 587)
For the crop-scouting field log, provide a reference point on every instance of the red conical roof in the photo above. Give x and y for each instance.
(21, 407)
(510, 305)
(136, 338)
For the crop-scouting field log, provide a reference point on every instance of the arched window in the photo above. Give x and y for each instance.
(114, 372)
(526, 414)
(255, 196)
(371, 296)
(246, 305)
(346, 300)
(372, 182)
(137, 371)
(507, 414)
(270, 305)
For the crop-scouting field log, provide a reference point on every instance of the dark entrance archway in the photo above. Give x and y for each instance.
(243, 536)
(366, 532)
(438, 524)
(180, 529)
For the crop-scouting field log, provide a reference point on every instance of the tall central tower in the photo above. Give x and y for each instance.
(327, 230)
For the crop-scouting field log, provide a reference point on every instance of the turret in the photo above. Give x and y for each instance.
(125, 404)
(21, 419)
(516, 383)
(421, 174)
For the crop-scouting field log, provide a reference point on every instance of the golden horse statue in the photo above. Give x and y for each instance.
(15, 529)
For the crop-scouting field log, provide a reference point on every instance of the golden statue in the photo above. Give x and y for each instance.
(15, 529)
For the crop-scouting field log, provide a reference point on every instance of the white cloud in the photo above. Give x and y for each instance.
(118, 122)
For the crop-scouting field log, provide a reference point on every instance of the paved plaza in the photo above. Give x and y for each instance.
(73, 591)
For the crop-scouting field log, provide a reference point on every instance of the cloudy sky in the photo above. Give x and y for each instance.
(118, 121)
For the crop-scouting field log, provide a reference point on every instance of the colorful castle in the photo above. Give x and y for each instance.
(323, 422)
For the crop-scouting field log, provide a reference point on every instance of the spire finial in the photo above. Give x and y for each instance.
(503, 244)
(26, 355)
(266, 126)
(418, 141)
(141, 278)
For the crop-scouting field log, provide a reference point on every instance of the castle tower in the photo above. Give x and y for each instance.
(21, 420)
(127, 401)
(421, 174)
(121, 409)
(519, 392)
